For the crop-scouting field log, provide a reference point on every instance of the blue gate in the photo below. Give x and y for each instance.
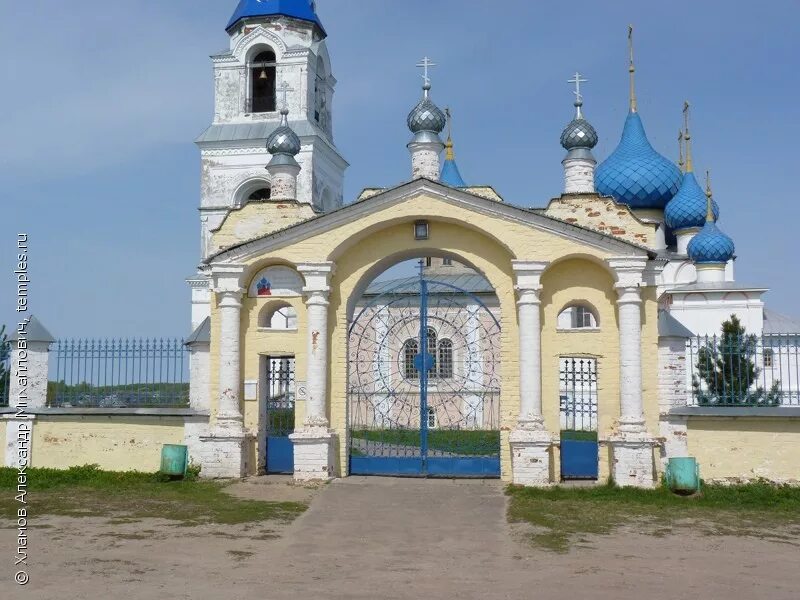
(578, 408)
(424, 382)
(280, 414)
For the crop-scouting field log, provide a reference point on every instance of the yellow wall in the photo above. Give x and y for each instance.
(745, 448)
(364, 247)
(116, 443)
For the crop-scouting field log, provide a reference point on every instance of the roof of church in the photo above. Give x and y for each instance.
(688, 207)
(304, 10)
(451, 175)
(776, 323)
(335, 217)
(257, 130)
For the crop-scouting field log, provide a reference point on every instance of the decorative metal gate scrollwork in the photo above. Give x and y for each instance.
(424, 383)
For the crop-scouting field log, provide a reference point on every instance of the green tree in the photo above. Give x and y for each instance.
(726, 371)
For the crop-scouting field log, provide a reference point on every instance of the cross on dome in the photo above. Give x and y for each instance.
(284, 90)
(426, 64)
(577, 80)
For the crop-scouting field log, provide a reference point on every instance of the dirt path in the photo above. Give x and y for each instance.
(388, 539)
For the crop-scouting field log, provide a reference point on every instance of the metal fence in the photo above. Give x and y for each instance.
(744, 370)
(119, 374)
(5, 371)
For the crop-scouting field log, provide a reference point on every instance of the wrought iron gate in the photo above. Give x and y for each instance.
(424, 383)
(280, 414)
(578, 408)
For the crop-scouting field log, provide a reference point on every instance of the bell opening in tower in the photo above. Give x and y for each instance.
(263, 88)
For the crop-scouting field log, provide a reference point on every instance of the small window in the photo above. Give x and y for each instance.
(432, 424)
(577, 317)
(428, 261)
(281, 317)
(769, 356)
(432, 346)
(410, 351)
(260, 195)
(263, 72)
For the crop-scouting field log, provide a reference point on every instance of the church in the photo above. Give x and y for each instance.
(534, 345)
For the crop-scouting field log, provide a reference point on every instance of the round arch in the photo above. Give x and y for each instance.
(249, 186)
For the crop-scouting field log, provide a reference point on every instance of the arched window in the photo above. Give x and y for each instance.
(263, 72)
(260, 194)
(410, 351)
(578, 316)
(432, 346)
(319, 91)
(445, 359)
(278, 316)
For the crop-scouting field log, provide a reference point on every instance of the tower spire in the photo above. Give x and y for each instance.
(449, 154)
(680, 149)
(688, 138)
(632, 69)
(709, 203)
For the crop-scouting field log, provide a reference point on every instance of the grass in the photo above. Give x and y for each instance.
(89, 492)
(465, 442)
(562, 516)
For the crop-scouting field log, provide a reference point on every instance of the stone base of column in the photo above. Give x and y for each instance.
(313, 454)
(222, 453)
(632, 459)
(531, 447)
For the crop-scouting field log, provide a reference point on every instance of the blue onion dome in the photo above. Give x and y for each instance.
(426, 116)
(284, 140)
(687, 209)
(635, 174)
(579, 133)
(711, 246)
(302, 10)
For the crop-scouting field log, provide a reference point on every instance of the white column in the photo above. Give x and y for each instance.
(283, 181)
(317, 290)
(530, 441)
(629, 306)
(230, 378)
(221, 450)
(632, 447)
(314, 442)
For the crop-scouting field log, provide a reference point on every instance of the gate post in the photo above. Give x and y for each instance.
(530, 441)
(632, 445)
(314, 442)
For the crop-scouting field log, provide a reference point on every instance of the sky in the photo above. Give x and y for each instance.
(101, 102)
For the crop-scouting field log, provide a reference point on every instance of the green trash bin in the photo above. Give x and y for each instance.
(174, 460)
(683, 475)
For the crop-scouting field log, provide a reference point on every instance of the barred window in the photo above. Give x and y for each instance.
(769, 356)
(410, 351)
(445, 359)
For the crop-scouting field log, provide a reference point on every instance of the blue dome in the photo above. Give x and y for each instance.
(635, 174)
(304, 10)
(450, 174)
(711, 246)
(688, 207)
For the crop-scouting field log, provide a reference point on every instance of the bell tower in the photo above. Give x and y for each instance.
(275, 45)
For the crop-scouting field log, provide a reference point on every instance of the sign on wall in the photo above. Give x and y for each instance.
(276, 282)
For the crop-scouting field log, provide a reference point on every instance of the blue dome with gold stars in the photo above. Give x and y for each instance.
(635, 174)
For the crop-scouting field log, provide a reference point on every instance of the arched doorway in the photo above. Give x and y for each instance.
(424, 374)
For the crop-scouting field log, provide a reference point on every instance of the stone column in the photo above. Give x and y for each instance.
(632, 461)
(223, 449)
(530, 441)
(314, 442)
(27, 393)
(673, 391)
(283, 180)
